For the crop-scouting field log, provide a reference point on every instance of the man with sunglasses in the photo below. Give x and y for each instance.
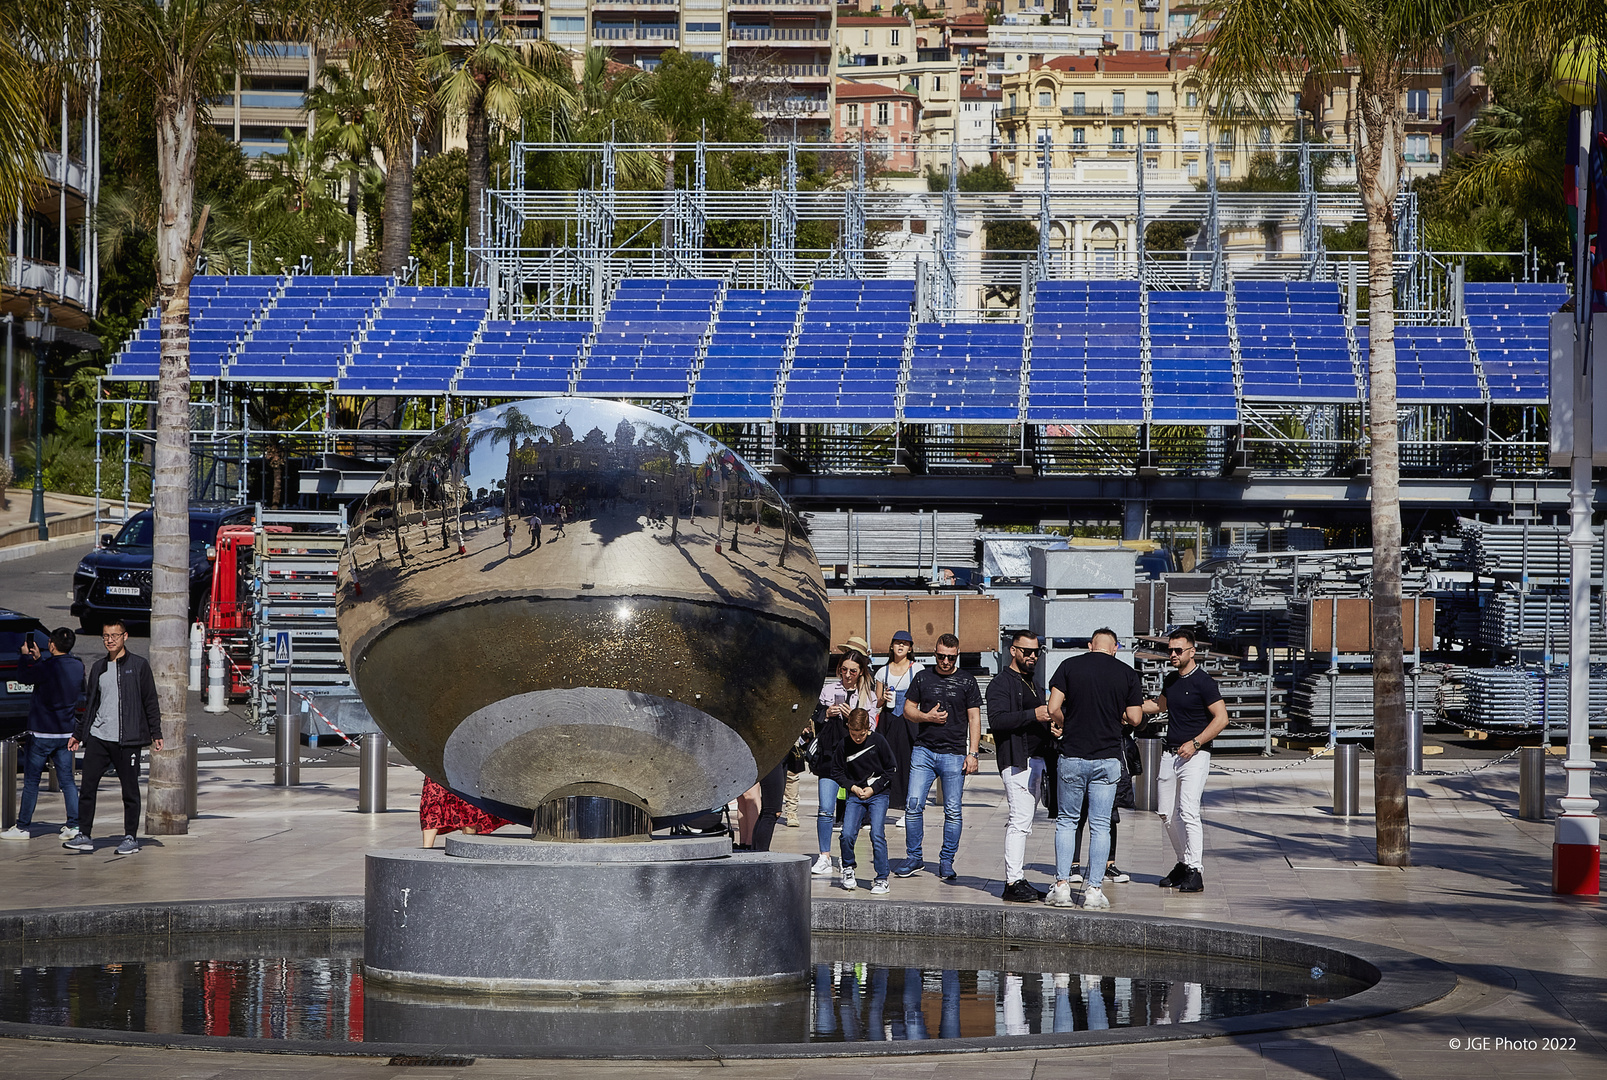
(1195, 716)
(944, 746)
(1019, 720)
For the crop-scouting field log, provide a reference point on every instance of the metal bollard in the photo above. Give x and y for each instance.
(218, 675)
(287, 740)
(1347, 780)
(197, 654)
(371, 774)
(192, 755)
(1414, 741)
(8, 783)
(1147, 789)
(1532, 783)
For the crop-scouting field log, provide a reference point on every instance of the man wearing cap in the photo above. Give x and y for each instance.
(1019, 720)
(945, 746)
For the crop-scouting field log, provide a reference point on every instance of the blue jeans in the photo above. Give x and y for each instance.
(1096, 778)
(40, 752)
(925, 767)
(854, 815)
(826, 819)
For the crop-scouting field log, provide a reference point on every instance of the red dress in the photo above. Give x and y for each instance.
(443, 811)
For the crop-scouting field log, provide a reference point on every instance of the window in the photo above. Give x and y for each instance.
(1191, 138)
(1045, 99)
(1224, 170)
(853, 115)
(1194, 169)
(1224, 141)
(915, 83)
(567, 24)
(892, 38)
(1118, 137)
(703, 28)
(1012, 101)
(1108, 17)
(1152, 103)
(1118, 104)
(1127, 40)
(1192, 98)
(1149, 42)
(1417, 148)
(1417, 104)
(1079, 136)
(1151, 164)
(1079, 104)
(1266, 135)
(1128, 18)
(1046, 146)
(937, 83)
(867, 37)
(883, 113)
(1152, 136)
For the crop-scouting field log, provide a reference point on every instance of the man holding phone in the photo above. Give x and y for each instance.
(945, 746)
(57, 682)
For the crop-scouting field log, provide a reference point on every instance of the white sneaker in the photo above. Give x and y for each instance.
(879, 887)
(849, 881)
(822, 866)
(1060, 895)
(899, 824)
(69, 832)
(16, 832)
(1076, 875)
(1094, 900)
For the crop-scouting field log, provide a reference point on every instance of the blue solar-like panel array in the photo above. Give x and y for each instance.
(514, 359)
(1191, 359)
(738, 381)
(221, 308)
(305, 335)
(1292, 341)
(649, 338)
(845, 368)
(418, 343)
(1511, 329)
(1087, 356)
(965, 372)
(1432, 365)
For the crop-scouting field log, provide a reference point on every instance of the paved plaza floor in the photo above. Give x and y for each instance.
(1529, 965)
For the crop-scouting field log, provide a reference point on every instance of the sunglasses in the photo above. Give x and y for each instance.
(1028, 652)
(1179, 652)
(948, 658)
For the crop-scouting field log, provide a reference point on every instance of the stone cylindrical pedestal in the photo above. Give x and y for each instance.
(585, 919)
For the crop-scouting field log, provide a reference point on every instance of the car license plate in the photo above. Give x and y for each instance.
(18, 687)
(122, 590)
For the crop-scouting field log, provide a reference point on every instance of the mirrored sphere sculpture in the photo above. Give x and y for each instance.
(568, 602)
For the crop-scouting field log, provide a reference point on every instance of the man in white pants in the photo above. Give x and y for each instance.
(1195, 716)
(1019, 720)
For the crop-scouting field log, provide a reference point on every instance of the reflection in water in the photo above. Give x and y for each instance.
(322, 999)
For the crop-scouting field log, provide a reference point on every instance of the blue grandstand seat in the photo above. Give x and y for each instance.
(849, 352)
(1510, 323)
(1298, 329)
(1086, 332)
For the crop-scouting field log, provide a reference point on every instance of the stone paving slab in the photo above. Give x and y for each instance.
(1530, 965)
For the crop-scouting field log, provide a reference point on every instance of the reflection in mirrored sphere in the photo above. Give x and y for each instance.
(574, 597)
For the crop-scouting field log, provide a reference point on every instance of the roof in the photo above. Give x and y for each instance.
(870, 90)
(1074, 63)
(1136, 61)
(980, 93)
(871, 20)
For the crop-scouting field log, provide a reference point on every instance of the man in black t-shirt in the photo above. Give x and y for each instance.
(1090, 697)
(1195, 716)
(944, 746)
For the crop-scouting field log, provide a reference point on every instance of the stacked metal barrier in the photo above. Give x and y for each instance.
(1349, 696)
(1533, 622)
(1512, 700)
(893, 544)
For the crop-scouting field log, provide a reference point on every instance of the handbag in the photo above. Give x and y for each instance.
(1130, 755)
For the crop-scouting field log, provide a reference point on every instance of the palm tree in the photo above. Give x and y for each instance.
(23, 126)
(292, 197)
(511, 426)
(488, 70)
(385, 40)
(612, 101)
(676, 446)
(343, 121)
(1250, 54)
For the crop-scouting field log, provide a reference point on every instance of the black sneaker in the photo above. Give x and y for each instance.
(909, 868)
(1116, 874)
(1179, 874)
(1194, 882)
(1019, 892)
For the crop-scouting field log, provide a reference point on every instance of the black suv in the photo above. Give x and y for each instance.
(114, 581)
(15, 630)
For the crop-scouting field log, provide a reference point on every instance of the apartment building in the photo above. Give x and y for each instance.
(886, 119)
(1332, 103)
(874, 41)
(269, 96)
(786, 45)
(1100, 112)
(50, 240)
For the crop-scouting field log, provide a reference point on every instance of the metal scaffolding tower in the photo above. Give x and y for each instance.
(854, 227)
(778, 267)
(949, 255)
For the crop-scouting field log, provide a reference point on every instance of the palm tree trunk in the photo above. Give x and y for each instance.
(354, 189)
(479, 169)
(397, 219)
(1378, 165)
(176, 147)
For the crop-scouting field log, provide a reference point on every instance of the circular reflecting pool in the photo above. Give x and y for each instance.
(310, 988)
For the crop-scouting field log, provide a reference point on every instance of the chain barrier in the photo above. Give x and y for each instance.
(1313, 756)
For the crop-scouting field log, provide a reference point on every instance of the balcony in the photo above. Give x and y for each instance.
(636, 33)
(1430, 114)
(1012, 112)
(781, 71)
(273, 99)
(820, 5)
(770, 33)
(77, 178)
(606, 4)
(800, 107)
(69, 285)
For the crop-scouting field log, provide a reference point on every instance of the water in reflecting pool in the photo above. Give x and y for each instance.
(859, 991)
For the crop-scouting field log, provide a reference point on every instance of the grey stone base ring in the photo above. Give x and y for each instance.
(721, 925)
